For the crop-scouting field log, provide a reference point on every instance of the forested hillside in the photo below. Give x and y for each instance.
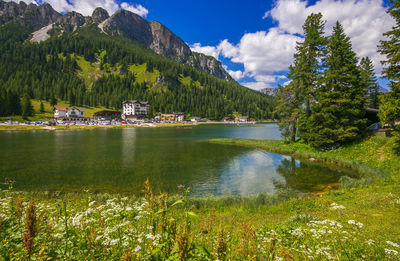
(87, 67)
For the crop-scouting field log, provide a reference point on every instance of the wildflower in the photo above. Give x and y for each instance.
(180, 187)
(137, 249)
(336, 206)
(391, 252)
(351, 222)
(29, 235)
(392, 244)
(370, 242)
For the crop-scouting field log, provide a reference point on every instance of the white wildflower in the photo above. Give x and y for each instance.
(351, 222)
(391, 252)
(336, 206)
(137, 249)
(124, 198)
(91, 203)
(370, 242)
(392, 244)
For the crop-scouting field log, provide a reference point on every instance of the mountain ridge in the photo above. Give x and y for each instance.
(151, 34)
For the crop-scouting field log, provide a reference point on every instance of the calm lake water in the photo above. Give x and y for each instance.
(120, 160)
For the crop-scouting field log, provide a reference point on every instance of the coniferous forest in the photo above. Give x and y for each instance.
(325, 103)
(49, 70)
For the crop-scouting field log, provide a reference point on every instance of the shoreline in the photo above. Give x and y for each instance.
(24, 127)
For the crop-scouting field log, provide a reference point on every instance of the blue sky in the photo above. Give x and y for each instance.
(255, 40)
(207, 23)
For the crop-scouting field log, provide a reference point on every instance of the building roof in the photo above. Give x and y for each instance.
(68, 108)
(135, 101)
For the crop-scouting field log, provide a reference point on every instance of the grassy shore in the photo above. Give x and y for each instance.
(360, 222)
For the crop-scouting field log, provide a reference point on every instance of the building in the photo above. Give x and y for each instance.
(244, 119)
(195, 119)
(227, 119)
(134, 110)
(176, 116)
(107, 115)
(179, 116)
(68, 113)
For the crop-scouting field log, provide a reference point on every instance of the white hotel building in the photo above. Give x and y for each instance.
(134, 110)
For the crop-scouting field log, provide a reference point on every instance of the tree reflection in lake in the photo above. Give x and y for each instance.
(307, 176)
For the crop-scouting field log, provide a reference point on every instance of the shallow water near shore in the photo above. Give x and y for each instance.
(120, 160)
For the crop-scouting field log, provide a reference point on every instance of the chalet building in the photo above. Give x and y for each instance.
(227, 119)
(195, 119)
(244, 119)
(176, 116)
(179, 116)
(69, 113)
(107, 115)
(134, 110)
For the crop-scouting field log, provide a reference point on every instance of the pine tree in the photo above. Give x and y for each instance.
(338, 112)
(26, 106)
(368, 80)
(288, 110)
(304, 74)
(389, 109)
(53, 101)
(41, 107)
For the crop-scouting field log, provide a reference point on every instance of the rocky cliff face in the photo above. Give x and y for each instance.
(99, 15)
(209, 65)
(167, 43)
(38, 16)
(124, 23)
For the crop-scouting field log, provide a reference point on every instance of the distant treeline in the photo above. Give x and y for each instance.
(39, 71)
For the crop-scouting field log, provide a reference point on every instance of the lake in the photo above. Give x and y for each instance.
(120, 160)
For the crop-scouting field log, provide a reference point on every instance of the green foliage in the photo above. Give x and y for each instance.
(389, 110)
(368, 80)
(295, 98)
(26, 106)
(41, 107)
(338, 112)
(90, 68)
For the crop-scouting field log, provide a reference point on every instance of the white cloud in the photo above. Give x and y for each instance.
(137, 9)
(256, 85)
(207, 50)
(364, 21)
(86, 7)
(265, 54)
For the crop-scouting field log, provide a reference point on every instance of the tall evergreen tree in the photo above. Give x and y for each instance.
(304, 74)
(368, 80)
(389, 110)
(288, 110)
(338, 113)
(41, 107)
(26, 106)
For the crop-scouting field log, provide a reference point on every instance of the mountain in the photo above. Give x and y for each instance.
(124, 23)
(270, 91)
(96, 61)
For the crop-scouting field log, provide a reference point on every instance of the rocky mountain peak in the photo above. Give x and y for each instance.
(99, 15)
(153, 35)
(37, 16)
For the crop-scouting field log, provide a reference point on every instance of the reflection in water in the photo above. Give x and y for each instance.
(120, 160)
(309, 176)
(251, 172)
(128, 147)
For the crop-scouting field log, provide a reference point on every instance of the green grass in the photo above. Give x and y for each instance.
(352, 223)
